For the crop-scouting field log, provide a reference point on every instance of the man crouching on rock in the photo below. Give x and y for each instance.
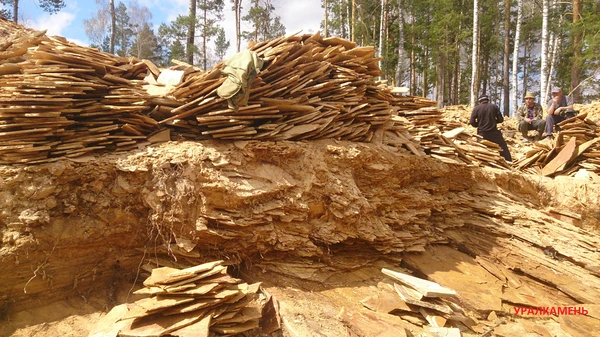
(485, 116)
(529, 115)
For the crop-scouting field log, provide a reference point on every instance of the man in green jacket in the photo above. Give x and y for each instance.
(530, 117)
(241, 69)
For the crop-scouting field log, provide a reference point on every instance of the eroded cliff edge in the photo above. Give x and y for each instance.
(73, 228)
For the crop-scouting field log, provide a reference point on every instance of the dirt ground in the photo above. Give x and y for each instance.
(315, 222)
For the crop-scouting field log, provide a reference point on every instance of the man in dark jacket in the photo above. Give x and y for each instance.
(485, 116)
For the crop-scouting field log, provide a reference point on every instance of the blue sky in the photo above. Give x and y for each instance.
(296, 15)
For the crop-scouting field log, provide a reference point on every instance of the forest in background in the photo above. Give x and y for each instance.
(448, 50)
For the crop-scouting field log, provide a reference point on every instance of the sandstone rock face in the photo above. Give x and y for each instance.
(308, 211)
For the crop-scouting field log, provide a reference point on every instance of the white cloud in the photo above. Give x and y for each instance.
(54, 24)
(79, 42)
(305, 15)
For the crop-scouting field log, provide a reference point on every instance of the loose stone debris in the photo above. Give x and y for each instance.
(203, 300)
(63, 100)
(416, 297)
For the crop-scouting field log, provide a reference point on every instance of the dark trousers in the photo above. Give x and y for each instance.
(496, 137)
(537, 124)
(552, 120)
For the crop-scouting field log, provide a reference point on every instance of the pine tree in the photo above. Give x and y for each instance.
(401, 64)
(237, 9)
(113, 26)
(265, 25)
(544, 52)
(506, 60)
(173, 38)
(124, 32)
(211, 12)
(221, 44)
(191, 32)
(145, 44)
(516, 42)
(474, 52)
(48, 6)
(5, 13)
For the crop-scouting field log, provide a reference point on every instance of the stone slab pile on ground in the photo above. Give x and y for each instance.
(202, 300)
(574, 149)
(63, 100)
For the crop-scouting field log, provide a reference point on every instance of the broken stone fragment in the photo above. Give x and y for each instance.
(34, 218)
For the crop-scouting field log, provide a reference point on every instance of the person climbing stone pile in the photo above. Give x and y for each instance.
(484, 117)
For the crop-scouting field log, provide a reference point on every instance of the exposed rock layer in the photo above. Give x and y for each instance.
(70, 228)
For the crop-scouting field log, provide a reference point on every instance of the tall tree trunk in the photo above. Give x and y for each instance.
(344, 23)
(484, 70)
(515, 64)
(553, 52)
(113, 27)
(455, 96)
(441, 80)
(425, 67)
(191, 33)
(381, 25)
(325, 32)
(413, 74)
(474, 54)
(353, 22)
(374, 30)
(576, 66)
(440, 83)
(205, 37)
(237, 7)
(456, 77)
(400, 67)
(526, 52)
(498, 91)
(544, 54)
(386, 46)
(16, 11)
(413, 71)
(481, 69)
(553, 43)
(505, 73)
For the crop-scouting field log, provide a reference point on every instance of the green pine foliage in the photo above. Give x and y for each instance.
(52, 6)
(124, 32)
(265, 24)
(221, 44)
(173, 38)
(436, 41)
(6, 13)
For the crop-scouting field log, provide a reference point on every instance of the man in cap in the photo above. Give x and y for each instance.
(557, 106)
(484, 117)
(529, 116)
